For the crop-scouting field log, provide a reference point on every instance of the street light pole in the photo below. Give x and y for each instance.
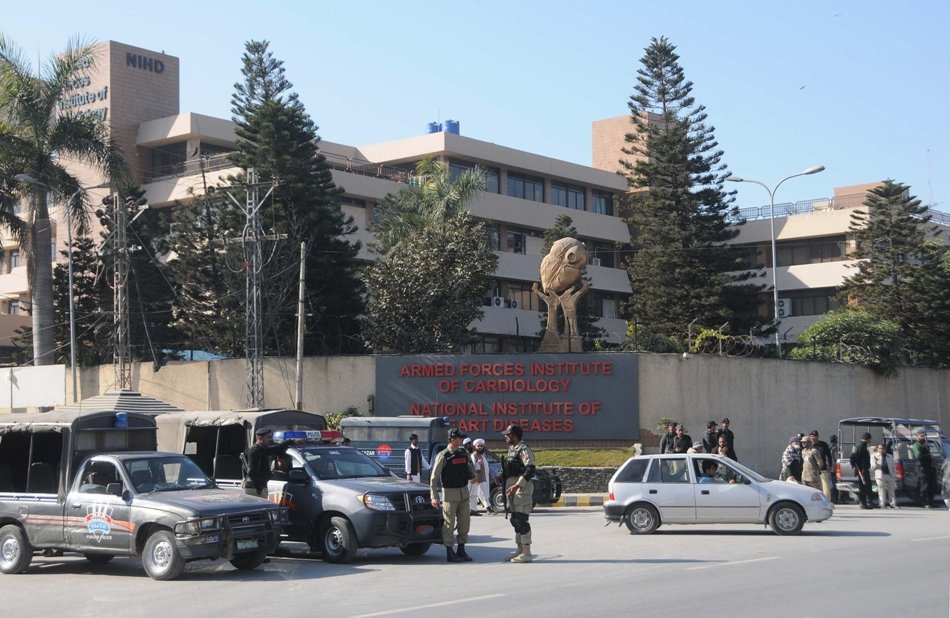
(733, 178)
(27, 179)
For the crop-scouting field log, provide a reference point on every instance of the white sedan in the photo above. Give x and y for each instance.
(687, 489)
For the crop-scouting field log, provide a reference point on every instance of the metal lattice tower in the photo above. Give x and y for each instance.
(253, 263)
(121, 347)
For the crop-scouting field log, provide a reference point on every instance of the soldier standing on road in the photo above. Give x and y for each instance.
(827, 463)
(518, 471)
(730, 437)
(453, 470)
(926, 474)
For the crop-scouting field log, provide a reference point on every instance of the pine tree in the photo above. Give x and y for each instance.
(681, 268)
(89, 287)
(586, 318)
(901, 276)
(277, 137)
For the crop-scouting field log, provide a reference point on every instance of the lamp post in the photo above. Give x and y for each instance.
(27, 179)
(733, 178)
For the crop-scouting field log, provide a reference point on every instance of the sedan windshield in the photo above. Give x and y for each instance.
(171, 473)
(342, 463)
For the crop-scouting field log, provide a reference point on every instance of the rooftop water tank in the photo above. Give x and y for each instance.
(433, 127)
(452, 126)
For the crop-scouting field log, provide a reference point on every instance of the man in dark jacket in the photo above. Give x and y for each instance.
(710, 438)
(827, 463)
(666, 442)
(728, 435)
(681, 441)
(926, 472)
(257, 461)
(861, 462)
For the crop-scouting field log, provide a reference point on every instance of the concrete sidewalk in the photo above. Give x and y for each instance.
(579, 500)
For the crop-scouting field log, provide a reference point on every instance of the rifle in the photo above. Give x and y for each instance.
(504, 489)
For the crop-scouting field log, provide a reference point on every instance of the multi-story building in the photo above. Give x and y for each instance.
(177, 156)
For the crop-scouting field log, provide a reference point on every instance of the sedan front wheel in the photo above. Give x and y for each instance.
(786, 519)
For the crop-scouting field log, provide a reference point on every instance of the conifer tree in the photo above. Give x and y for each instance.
(278, 138)
(681, 268)
(901, 276)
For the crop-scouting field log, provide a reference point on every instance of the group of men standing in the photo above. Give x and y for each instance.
(882, 464)
(460, 477)
(719, 441)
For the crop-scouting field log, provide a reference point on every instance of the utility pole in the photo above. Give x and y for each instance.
(253, 327)
(298, 398)
(121, 352)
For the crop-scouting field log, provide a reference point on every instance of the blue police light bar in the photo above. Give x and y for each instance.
(309, 435)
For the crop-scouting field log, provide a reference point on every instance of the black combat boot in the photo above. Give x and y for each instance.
(461, 553)
(451, 556)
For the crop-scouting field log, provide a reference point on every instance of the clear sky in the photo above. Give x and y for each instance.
(854, 85)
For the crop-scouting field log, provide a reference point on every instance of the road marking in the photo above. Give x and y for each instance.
(721, 564)
(932, 538)
(403, 610)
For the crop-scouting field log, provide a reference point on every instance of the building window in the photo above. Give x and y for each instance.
(525, 187)
(352, 201)
(515, 242)
(601, 254)
(812, 251)
(492, 175)
(568, 196)
(517, 295)
(603, 203)
(816, 301)
(14, 259)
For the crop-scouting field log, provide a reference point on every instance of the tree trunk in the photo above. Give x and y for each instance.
(42, 294)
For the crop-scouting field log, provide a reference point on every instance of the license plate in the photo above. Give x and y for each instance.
(246, 545)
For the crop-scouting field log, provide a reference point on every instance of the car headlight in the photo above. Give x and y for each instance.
(209, 523)
(376, 502)
(817, 497)
(192, 527)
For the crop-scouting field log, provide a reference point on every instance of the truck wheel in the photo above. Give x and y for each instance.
(787, 518)
(161, 558)
(250, 560)
(15, 551)
(416, 549)
(98, 558)
(641, 519)
(498, 500)
(338, 540)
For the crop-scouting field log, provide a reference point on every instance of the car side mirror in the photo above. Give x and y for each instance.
(114, 489)
(298, 477)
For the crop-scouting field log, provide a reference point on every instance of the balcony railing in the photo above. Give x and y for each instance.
(855, 200)
(222, 161)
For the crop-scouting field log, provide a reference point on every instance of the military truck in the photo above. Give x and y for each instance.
(92, 483)
(215, 440)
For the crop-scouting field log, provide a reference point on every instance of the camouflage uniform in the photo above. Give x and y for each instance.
(519, 469)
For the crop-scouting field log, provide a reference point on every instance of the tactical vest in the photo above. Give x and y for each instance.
(415, 461)
(455, 469)
(514, 467)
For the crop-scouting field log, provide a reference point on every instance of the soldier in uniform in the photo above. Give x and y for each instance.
(453, 470)
(518, 471)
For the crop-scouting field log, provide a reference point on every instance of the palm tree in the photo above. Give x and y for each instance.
(432, 198)
(37, 138)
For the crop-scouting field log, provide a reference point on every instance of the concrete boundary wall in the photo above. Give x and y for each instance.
(767, 400)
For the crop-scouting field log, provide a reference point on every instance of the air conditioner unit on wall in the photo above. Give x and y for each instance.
(514, 304)
(595, 261)
(784, 309)
(497, 301)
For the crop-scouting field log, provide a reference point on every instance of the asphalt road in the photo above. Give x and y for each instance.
(858, 563)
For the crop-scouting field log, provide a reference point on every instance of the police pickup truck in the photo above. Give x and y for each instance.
(60, 491)
(340, 500)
